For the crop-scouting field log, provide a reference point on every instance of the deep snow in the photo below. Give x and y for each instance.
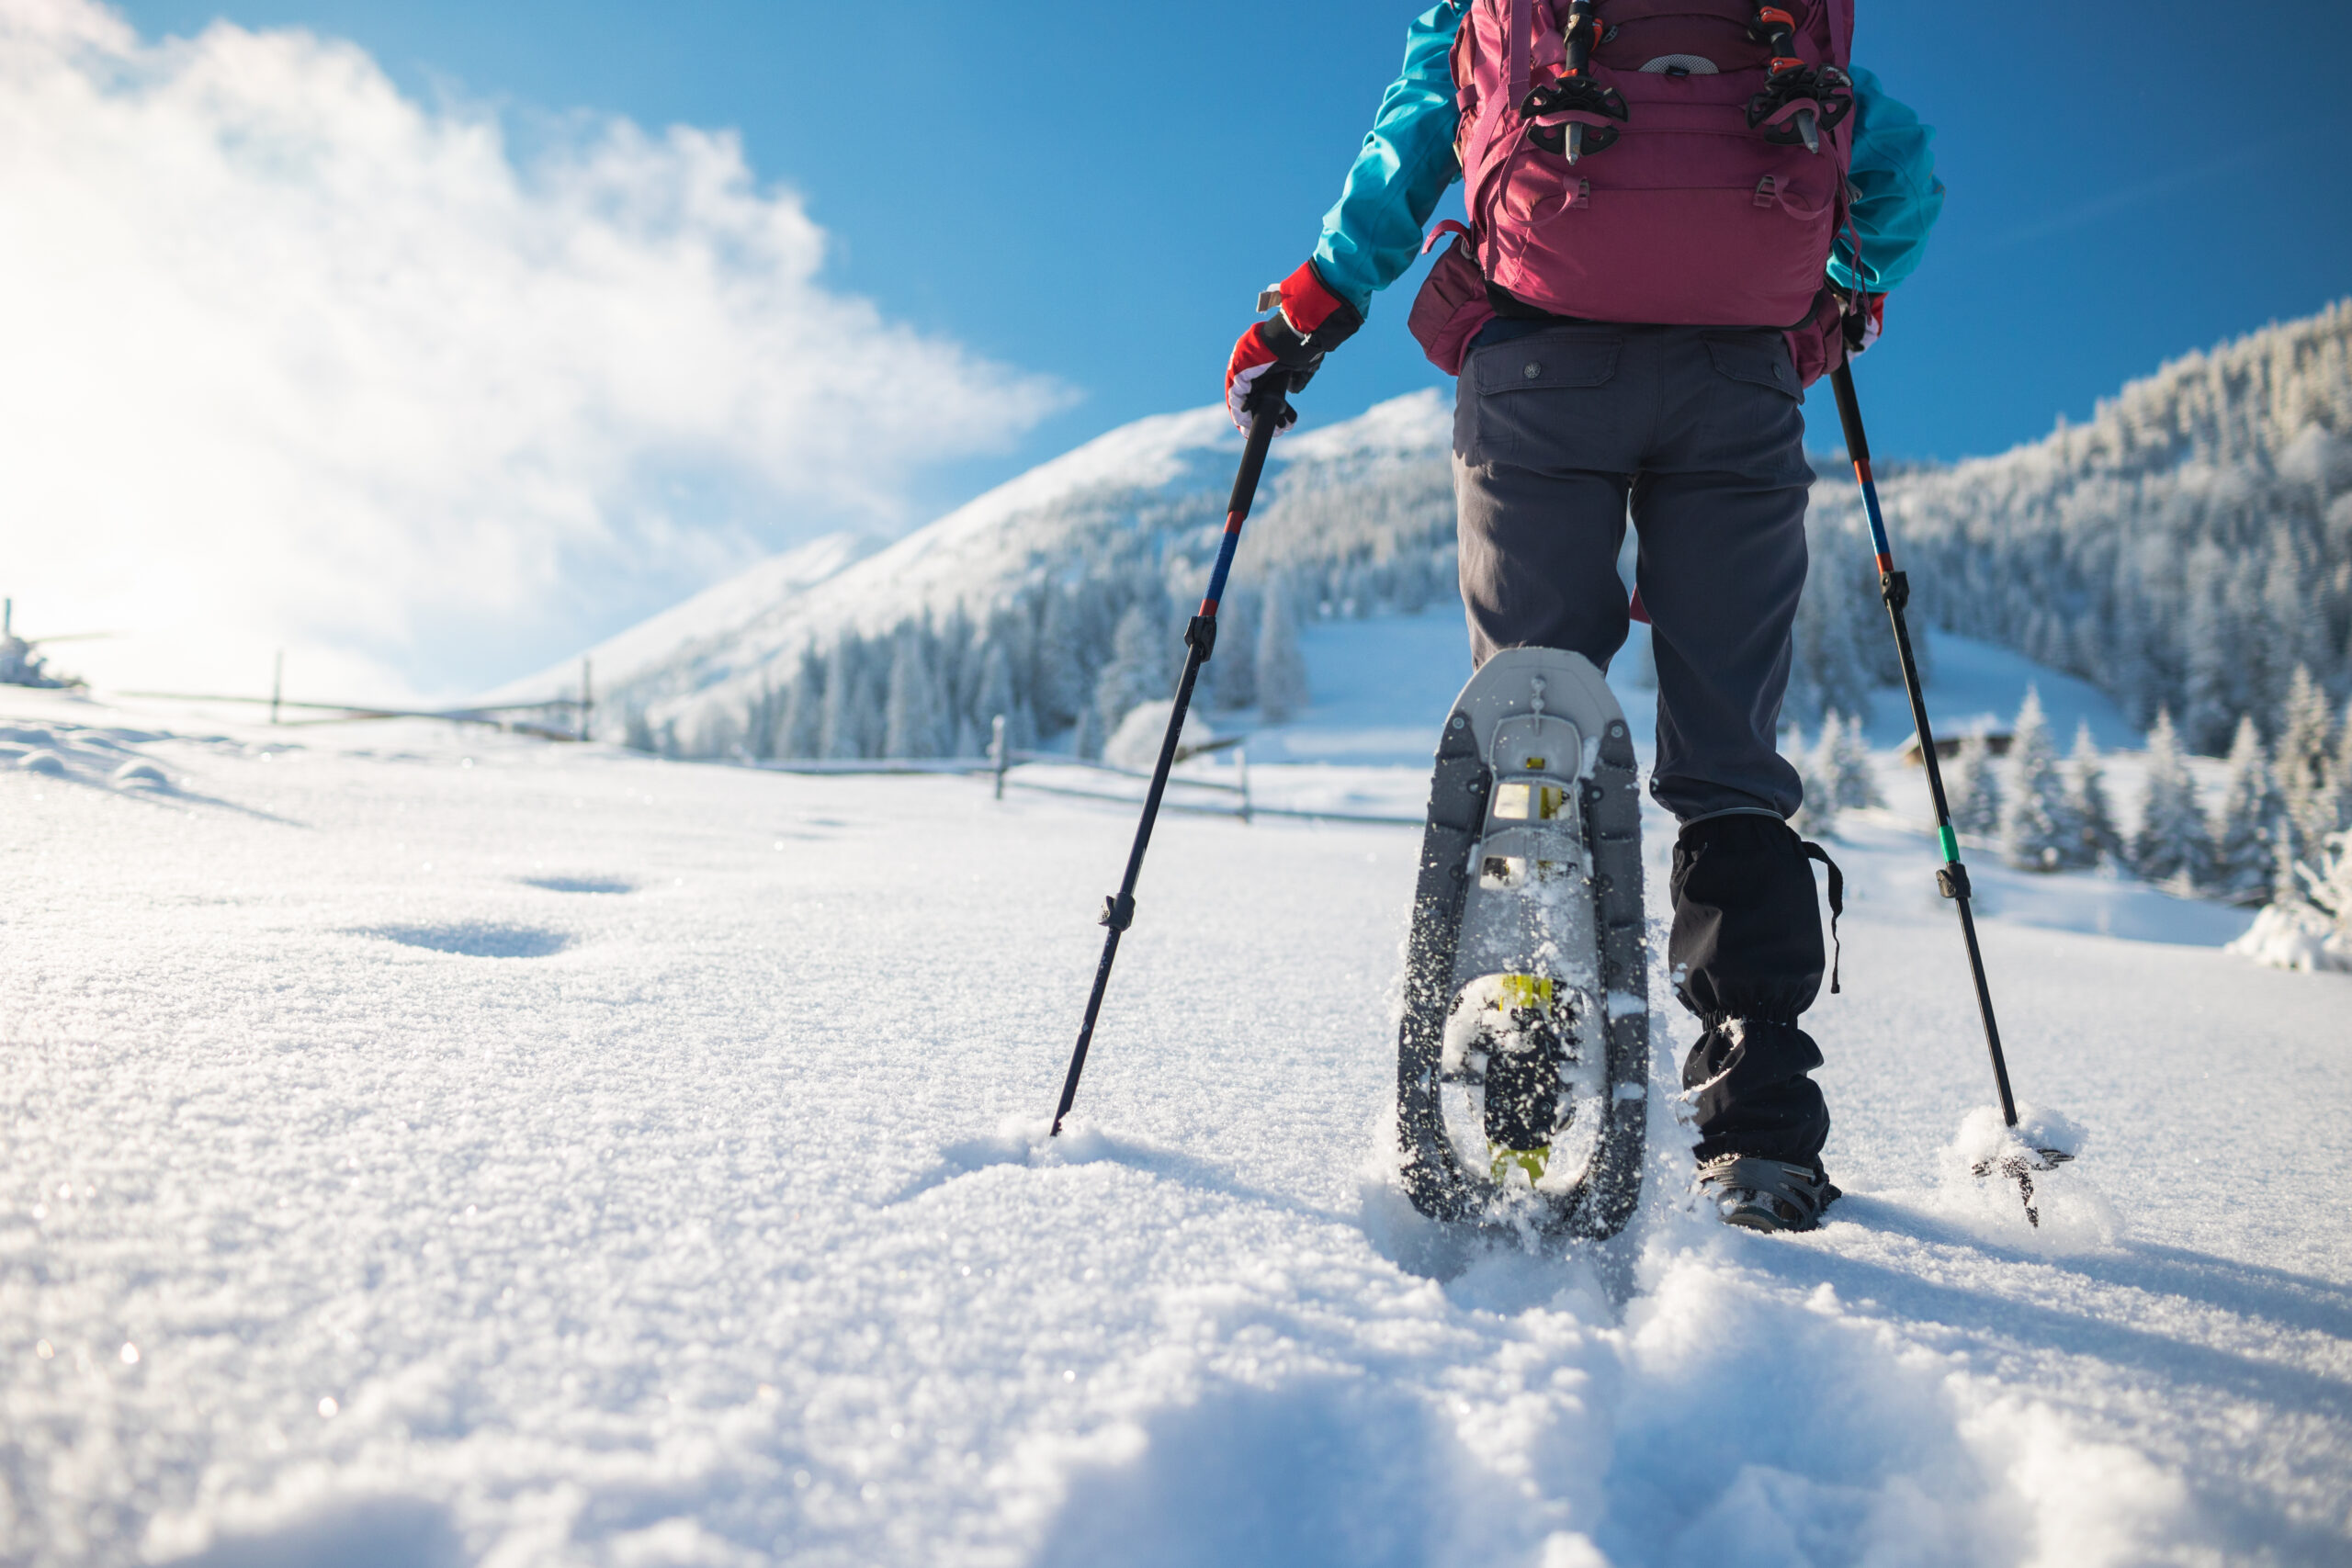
(426, 1148)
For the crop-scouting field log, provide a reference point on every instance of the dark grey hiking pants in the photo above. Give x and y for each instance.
(1554, 432)
(1700, 427)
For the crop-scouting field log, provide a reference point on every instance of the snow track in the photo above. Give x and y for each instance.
(472, 1152)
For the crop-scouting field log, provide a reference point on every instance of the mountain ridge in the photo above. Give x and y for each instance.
(2184, 549)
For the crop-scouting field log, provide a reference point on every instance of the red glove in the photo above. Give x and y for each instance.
(1312, 321)
(1863, 326)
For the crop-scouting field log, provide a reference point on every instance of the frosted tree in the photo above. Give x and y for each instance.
(1140, 669)
(801, 730)
(2037, 828)
(762, 719)
(1062, 688)
(2170, 845)
(716, 733)
(1976, 787)
(2326, 880)
(2339, 779)
(1281, 668)
(2305, 771)
(1830, 664)
(856, 687)
(1233, 671)
(1844, 764)
(914, 717)
(2244, 822)
(1816, 812)
(2286, 883)
(995, 696)
(2096, 840)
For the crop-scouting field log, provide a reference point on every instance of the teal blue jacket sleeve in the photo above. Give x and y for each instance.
(1896, 193)
(1373, 233)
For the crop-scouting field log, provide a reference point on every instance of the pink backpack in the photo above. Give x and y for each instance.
(1692, 198)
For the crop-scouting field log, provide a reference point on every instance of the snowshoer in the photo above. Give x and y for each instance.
(1679, 217)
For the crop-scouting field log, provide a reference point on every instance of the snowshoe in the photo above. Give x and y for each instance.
(1523, 1056)
(1765, 1194)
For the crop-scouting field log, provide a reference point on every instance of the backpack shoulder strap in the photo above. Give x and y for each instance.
(1523, 25)
(1518, 68)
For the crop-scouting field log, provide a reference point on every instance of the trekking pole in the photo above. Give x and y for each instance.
(1265, 406)
(1895, 587)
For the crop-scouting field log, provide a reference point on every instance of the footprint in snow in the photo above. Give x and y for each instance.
(472, 939)
(580, 884)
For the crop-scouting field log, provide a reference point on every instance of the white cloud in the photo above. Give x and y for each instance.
(287, 359)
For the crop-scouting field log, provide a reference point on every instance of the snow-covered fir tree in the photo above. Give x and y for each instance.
(1843, 762)
(1974, 787)
(2327, 879)
(2097, 840)
(2244, 831)
(1830, 664)
(1281, 668)
(763, 721)
(2340, 778)
(2038, 832)
(801, 730)
(2170, 845)
(1816, 812)
(913, 717)
(2302, 761)
(1232, 677)
(994, 697)
(857, 686)
(1142, 667)
(2286, 884)
(1062, 683)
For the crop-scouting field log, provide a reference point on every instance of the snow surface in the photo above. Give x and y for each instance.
(426, 1148)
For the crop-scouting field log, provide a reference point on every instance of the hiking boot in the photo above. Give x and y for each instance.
(1765, 1194)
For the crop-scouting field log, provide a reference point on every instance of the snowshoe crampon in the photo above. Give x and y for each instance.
(1523, 1058)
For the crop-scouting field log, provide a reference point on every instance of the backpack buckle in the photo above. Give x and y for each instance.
(1768, 190)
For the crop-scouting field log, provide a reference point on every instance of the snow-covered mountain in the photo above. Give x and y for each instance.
(1012, 603)
(2189, 549)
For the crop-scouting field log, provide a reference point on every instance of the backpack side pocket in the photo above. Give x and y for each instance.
(1452, 305)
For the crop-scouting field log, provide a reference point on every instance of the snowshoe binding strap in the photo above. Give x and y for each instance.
(1836, 904)
(1550, 107)
(1799, 102)
(1765, 1194)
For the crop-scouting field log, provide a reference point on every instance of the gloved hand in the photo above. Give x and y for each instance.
(1863, 326)
(1311, 322)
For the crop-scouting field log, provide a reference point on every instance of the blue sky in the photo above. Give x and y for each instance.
(1095, 190)
(433, 409)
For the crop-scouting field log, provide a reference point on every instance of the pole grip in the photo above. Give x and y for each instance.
(1267, 402)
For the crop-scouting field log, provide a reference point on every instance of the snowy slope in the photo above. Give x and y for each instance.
(1166, 477)
(431, 1150)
